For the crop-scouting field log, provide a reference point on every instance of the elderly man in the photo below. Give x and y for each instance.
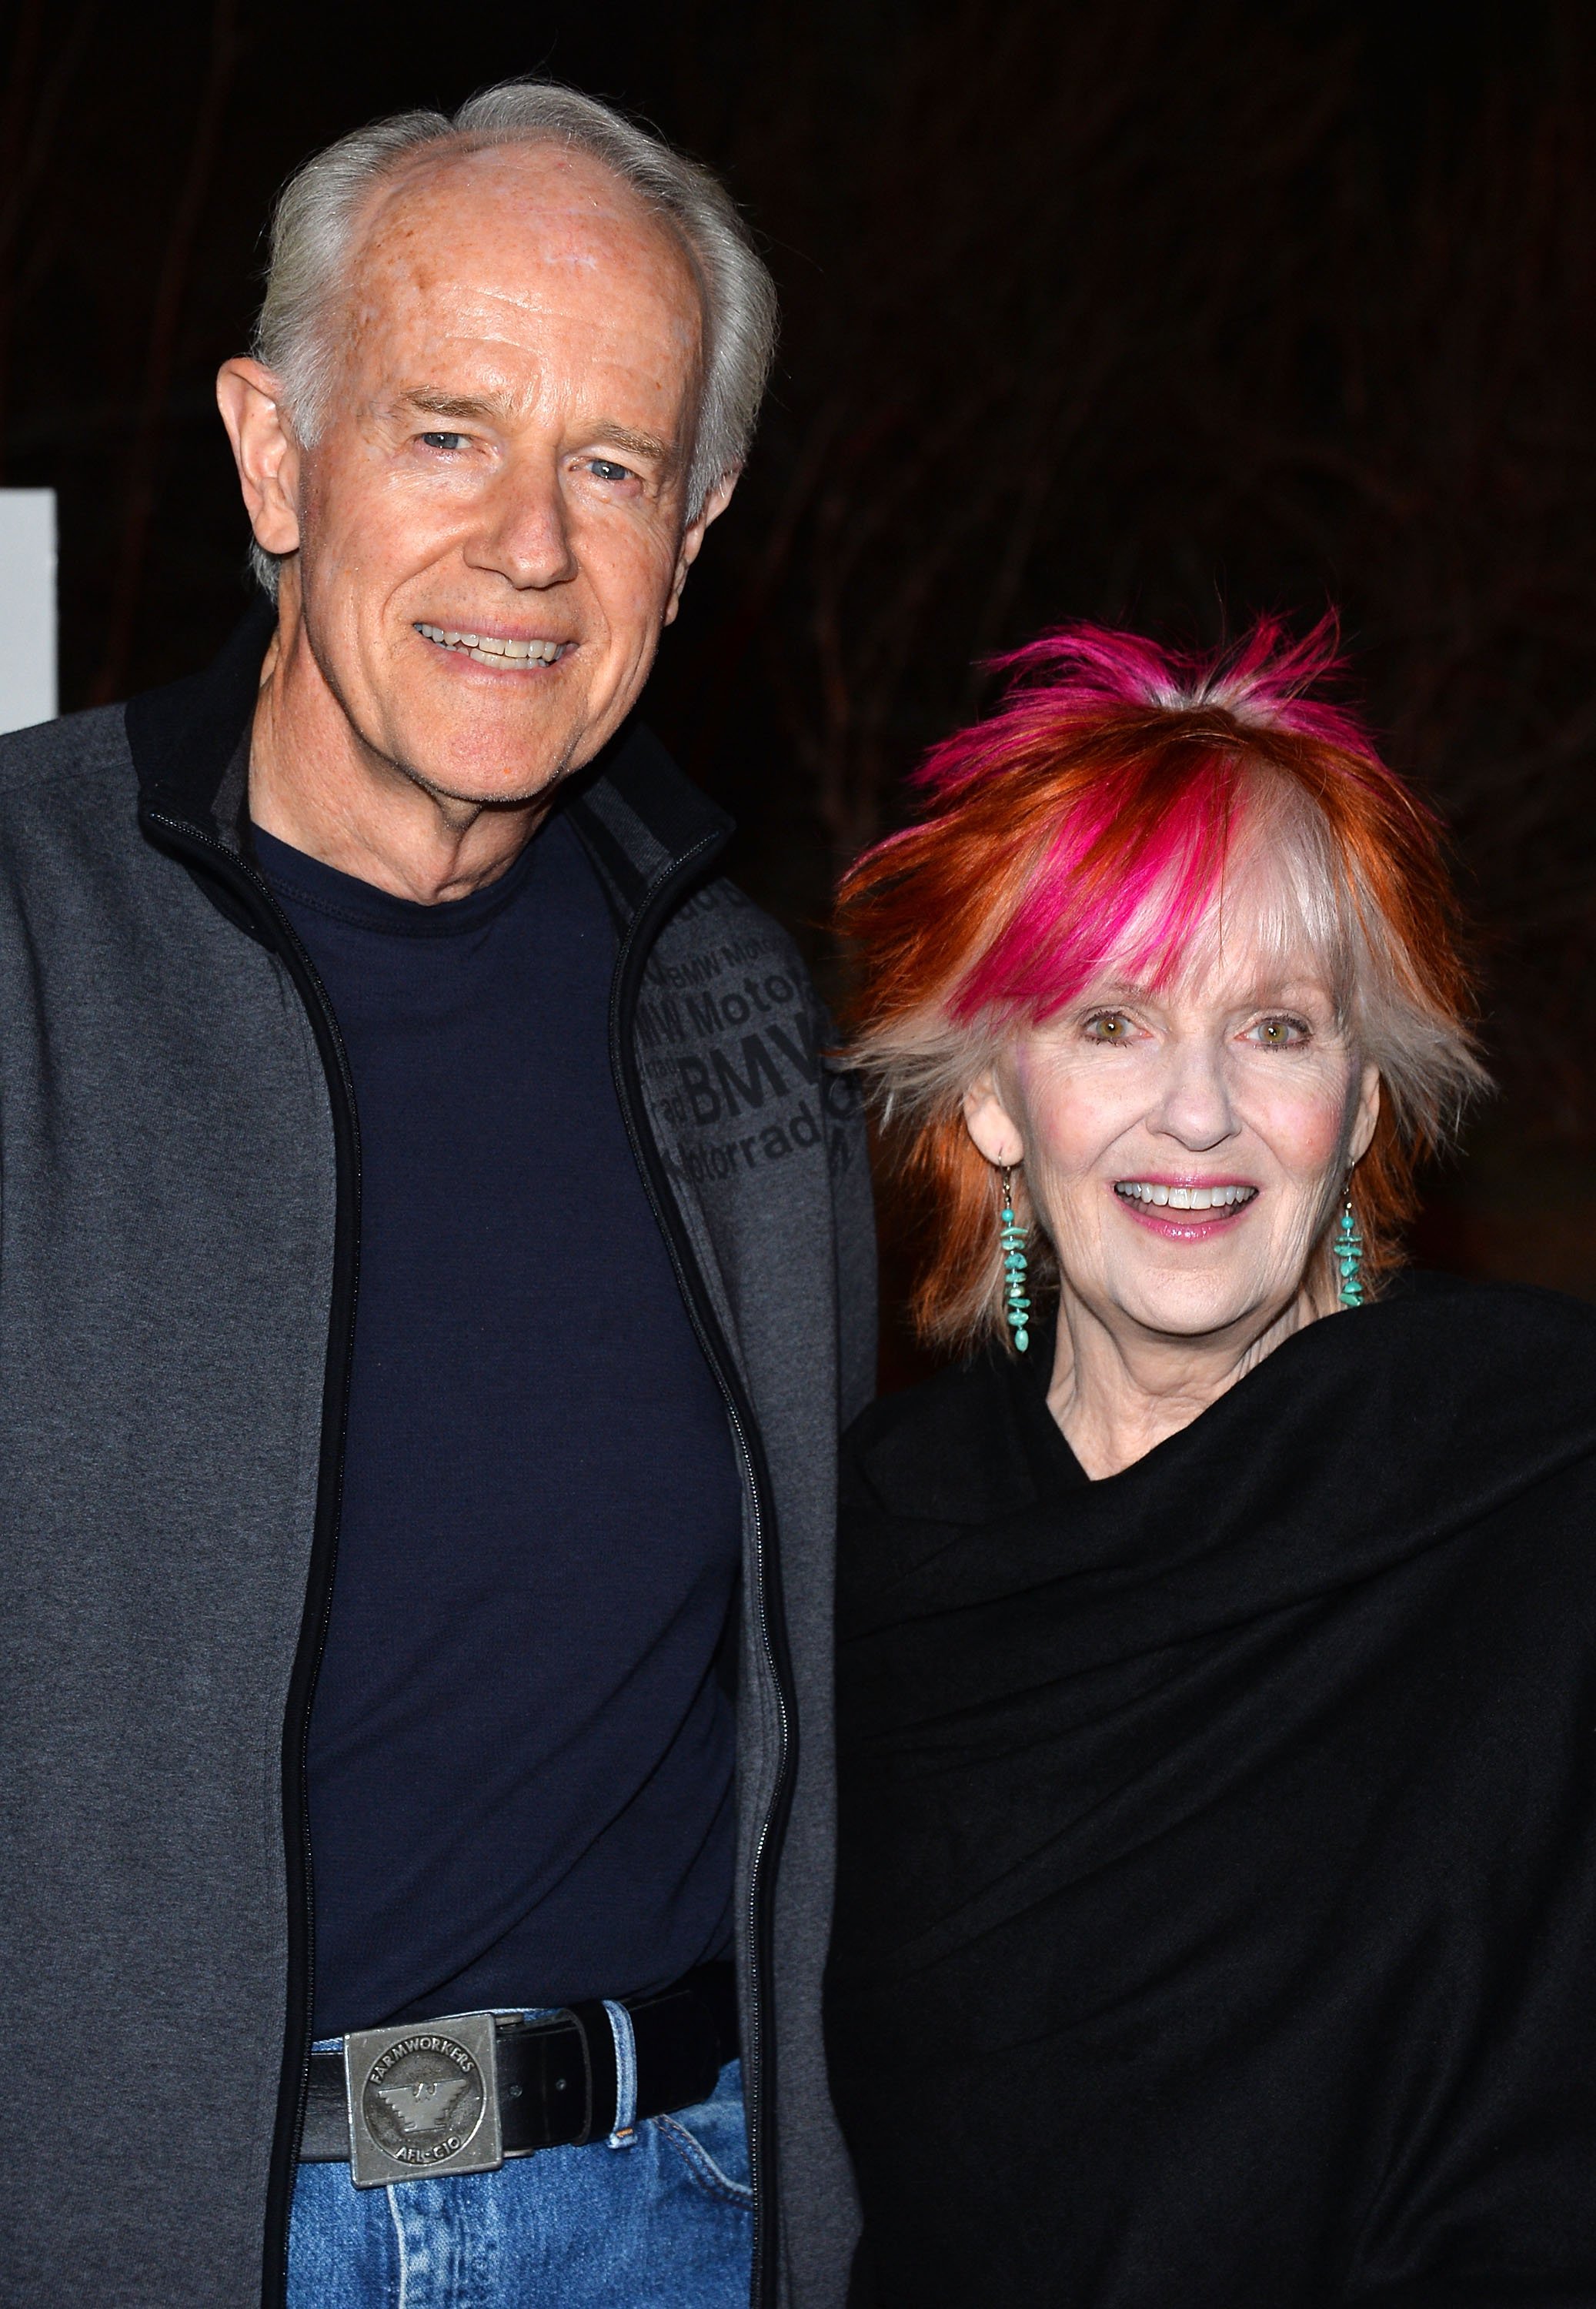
(435, 1255)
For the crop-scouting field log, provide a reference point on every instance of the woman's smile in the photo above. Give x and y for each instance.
(1205, 1207)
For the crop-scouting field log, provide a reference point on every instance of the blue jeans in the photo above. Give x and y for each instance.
(662, 2220)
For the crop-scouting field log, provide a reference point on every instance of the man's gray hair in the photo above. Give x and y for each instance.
(319, 209)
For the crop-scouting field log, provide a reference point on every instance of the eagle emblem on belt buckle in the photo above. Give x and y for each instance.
(422, 2100)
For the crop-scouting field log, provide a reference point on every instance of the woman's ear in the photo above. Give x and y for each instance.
(1366, 1115)
(989, 1123)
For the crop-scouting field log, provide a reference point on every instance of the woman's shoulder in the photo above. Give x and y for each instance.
(1499, 1364)
(950, 1447)
(1441, 1408)
(946, 1451)
(1519, 1329)
(924, 1473)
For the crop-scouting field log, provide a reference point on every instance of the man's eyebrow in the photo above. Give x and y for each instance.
(639, 445)
(427, 403)
(498, 407)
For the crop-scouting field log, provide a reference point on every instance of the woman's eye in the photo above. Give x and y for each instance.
(445, 440)
(1278, 1033)
(1109, 1026)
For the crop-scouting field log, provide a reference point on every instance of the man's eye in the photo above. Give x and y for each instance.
(605, 469)
(445, 440)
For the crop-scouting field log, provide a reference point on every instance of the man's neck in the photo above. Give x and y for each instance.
(1117, 1395)
(315, 784)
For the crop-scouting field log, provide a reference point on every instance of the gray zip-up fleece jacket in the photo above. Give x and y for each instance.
(179, 1206)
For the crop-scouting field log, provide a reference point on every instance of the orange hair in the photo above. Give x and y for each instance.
(1088, 821)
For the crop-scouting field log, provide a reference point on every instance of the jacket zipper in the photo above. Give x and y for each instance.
(758, 2081)
(213, 856)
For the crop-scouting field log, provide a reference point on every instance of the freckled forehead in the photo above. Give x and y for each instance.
(518, 225)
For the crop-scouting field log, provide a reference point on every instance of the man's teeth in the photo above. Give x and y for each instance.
(489, 649)
(1184, 1199)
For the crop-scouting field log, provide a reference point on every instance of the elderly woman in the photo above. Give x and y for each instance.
(1217, 1907)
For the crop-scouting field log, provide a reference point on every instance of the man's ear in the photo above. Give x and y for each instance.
(265, 451)
(989, 1122)
(714, 506)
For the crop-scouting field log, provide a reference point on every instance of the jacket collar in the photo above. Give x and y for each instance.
(633, 806)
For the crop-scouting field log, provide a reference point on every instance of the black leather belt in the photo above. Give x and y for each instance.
(463, 2092)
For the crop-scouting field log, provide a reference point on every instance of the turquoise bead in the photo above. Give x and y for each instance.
(1011, 1239)
(1348, 1251)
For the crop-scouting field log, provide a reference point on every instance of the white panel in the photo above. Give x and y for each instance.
(27, 607)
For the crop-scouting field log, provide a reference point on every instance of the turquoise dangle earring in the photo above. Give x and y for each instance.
(1012, 1237)
(1348, 1248)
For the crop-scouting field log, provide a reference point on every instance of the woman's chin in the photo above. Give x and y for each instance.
(1192, 1306)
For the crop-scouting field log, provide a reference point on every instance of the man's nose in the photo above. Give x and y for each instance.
(1194, 1107)
(525, 534)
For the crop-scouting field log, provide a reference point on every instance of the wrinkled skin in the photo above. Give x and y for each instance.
(1236, 1074)
(505, 453)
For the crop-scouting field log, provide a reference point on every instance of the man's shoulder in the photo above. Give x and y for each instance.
(717, 931)
(68, 801)
(735, 1049)
(726, 981)
(646, 818)
(76, 747)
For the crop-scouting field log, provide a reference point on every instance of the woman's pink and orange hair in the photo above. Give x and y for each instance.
(1086, 824)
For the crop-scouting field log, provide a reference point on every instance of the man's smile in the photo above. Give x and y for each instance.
(501, 651)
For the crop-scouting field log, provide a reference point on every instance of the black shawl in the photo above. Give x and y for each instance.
(1217, 1902)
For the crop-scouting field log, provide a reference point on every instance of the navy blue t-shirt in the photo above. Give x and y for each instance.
(521, 1753)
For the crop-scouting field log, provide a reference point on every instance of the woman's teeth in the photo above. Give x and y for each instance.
(1184, 1199)
(490, 649)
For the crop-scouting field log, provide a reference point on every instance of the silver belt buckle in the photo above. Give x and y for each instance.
(422, 2100)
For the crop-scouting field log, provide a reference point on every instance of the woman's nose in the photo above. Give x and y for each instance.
(1194, 1106)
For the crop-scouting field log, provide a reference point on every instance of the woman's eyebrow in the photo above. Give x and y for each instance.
(1121, 989)
(1286, 989)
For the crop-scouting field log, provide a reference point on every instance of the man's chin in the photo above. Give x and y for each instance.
(513, 795)
(528, 771)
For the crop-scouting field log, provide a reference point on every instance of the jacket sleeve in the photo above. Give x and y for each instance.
(855, 1232)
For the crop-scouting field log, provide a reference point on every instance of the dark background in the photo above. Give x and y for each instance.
(1157, 313)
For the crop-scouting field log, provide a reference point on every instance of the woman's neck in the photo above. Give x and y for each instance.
(1118, 1391)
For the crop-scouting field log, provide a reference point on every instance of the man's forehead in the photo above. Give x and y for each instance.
(474, 258)
(517, 276)
(556, 207)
